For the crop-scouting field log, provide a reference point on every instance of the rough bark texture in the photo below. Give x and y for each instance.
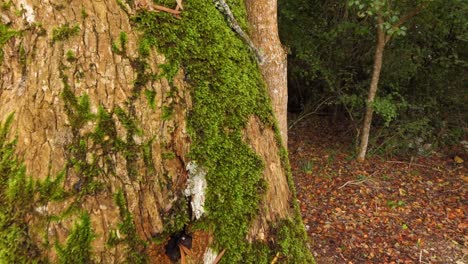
(378, 57)
(33, 92)
(264, 34)
(87, 103)
(275, 205)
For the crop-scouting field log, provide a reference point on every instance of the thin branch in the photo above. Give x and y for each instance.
(179, 5)
(224, 8)
(306, 114)
(218, 258)
(411, 164)
(153, 7)
(405, 18)
(275, 259)
(354, 182)
(165, 9)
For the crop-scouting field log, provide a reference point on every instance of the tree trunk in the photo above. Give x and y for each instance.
(160, 126)
(266, 38)
(379, 49)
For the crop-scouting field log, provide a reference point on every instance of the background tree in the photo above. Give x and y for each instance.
(418, 105)
(139, 127)
(388, 24)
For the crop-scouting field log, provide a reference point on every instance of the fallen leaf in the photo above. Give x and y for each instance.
(458, 160)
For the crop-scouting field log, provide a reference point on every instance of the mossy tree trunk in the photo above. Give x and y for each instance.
(118, 112)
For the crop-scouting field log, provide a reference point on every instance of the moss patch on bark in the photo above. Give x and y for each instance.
(21, 197)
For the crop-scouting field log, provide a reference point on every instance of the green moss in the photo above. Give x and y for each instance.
(292, 241)
(151, 98)
(135, 246)
(6, 5)
(19, 196)
(78, 110)
(70, 56)
(15, 191)
(5, 35)
(167, 113)
(125, 5)
(84, 14)
(177, 218)
(120, 47)
(51, 189)
(64, 32)
(144, 48)
(168, 155)
(22, 56)
(77, 248)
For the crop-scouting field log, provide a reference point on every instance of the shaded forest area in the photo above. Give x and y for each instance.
(406, 203)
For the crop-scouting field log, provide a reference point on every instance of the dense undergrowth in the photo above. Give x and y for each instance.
(420, 104)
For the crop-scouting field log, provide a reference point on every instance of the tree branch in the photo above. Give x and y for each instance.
(223, 7)
(405, 18)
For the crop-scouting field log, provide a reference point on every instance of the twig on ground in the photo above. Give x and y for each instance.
(354, 182)
(413, 164)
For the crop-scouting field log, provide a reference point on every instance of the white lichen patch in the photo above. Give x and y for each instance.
(41, 209)
(196, 188)
(210, 256)
(28, 11)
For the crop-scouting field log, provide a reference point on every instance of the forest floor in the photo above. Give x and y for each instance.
(382, 210)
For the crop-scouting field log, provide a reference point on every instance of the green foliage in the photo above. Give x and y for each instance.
(64, 32)
(308, 167)
(331, 58)
(395, 204)
(77, 248)
(386, 108)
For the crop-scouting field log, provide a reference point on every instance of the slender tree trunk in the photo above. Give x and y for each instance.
(142, 137)
(266, 38)
(379, 49)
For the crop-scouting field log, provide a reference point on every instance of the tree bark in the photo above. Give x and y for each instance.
(88, 104)
(264, 33)
(378, 57)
